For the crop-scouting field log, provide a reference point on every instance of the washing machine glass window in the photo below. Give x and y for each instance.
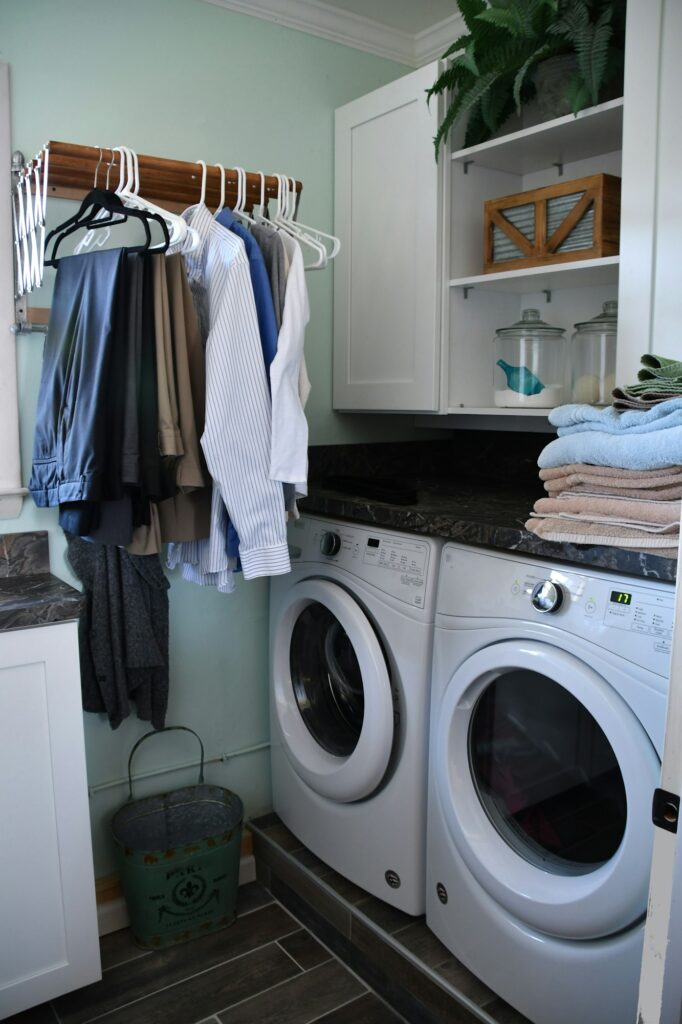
(546, 774)
(327, 680)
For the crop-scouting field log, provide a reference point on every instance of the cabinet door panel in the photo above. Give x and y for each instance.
(48, 940)
(387, 276)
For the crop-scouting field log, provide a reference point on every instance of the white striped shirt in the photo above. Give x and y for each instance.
(237, 432)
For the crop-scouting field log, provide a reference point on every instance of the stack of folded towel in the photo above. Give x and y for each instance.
(659, 380)
(613, 478)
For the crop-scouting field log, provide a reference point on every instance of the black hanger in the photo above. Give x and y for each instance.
(86, 216)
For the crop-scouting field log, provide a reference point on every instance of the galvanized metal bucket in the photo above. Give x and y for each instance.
(178, 858)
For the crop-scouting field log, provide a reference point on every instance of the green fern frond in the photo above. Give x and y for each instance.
(593, 50)
(459, 44)
(514, 20)
(470, 9)
(519, 80)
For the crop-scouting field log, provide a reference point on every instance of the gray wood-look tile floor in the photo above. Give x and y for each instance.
(263, 969)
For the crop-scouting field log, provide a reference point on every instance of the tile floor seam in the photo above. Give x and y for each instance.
(292, 957)
(332, 954)
(270, 988)
(253, 910)
(403, 951)
(130, 960)
(181, 981)
(348, 1002)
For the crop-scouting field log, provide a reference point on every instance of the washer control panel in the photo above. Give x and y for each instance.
(398, 564)
(633, 618)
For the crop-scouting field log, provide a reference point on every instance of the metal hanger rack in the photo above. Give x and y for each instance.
(173, 184)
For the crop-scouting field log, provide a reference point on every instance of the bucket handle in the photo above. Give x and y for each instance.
(155, 732)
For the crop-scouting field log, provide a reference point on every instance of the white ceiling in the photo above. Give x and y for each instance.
(401, 30)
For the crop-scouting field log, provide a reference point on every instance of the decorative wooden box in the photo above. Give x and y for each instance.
(572, 220)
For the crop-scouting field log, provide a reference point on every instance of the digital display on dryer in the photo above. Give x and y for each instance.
(620, 597)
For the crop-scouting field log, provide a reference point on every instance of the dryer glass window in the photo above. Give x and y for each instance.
(327, 681)
(546, 774)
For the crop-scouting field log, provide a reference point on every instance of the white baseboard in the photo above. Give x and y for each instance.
(113, 915)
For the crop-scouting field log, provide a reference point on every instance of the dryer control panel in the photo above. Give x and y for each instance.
(632, 618)
(398, 564)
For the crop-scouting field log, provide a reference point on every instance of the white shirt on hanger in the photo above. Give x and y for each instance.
(289, 379)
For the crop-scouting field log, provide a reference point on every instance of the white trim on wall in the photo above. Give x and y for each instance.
(10, 462)
(329, 22)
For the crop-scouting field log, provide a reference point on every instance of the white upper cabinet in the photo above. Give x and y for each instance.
(414, 313)
(388, 276)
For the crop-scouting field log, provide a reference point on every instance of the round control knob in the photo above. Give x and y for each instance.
(330, 544)
(547, 596)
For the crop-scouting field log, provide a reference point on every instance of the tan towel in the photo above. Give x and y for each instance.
(673, 492)
(563, 531)
(627, 524)
(585, 469)
(614, 508)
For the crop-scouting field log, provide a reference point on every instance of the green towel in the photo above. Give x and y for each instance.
(660, 368)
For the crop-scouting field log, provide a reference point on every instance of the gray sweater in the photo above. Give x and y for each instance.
(123, 631)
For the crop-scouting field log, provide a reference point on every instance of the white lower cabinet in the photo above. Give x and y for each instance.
(48, 917)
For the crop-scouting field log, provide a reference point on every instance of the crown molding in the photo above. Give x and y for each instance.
(434, 41)
(320, 19)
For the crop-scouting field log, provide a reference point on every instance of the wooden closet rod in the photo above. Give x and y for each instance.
(174, 184)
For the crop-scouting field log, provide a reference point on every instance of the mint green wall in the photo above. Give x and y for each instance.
(186, 79)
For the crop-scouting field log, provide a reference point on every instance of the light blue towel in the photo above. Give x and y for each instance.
(572, 419)
(656, 449)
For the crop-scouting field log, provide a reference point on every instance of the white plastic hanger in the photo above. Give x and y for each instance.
(181, 234)
(19, 269)
(282, 221)
(315, 233)
(222, 189)
(204, 176)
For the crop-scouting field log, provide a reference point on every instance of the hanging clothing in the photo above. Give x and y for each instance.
(123, 632)
(276, 265)
(260, 282)
(77, 426)
(289, 379)
(237, 432)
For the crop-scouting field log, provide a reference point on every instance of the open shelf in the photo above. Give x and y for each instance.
(572, 137)
(576, 274)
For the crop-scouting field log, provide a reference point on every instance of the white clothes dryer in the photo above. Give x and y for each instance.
(351, 635)
(548, 714)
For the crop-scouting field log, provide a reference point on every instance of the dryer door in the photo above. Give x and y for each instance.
(331, 691)
(545, 778)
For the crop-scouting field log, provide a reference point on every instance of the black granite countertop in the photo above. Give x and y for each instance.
(484, 514)
(29, 594)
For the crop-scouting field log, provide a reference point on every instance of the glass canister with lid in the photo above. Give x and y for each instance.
(530, 363)
(593, 357)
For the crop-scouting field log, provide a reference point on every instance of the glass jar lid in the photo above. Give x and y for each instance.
(606, 321)
(531, 323)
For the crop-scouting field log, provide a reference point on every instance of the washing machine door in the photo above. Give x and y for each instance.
(545, 778)
(331, 691)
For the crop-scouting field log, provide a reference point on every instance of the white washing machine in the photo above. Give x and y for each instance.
(351, 635)
(548, 715)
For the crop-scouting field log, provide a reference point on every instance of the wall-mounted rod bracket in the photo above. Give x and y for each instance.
(466, 164)
(22, 324)
(559, 164)
(466, 289)
(547, 292)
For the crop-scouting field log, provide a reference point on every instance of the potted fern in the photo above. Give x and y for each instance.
(565, 52)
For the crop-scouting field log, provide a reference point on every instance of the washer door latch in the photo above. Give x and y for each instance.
(665, 811)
